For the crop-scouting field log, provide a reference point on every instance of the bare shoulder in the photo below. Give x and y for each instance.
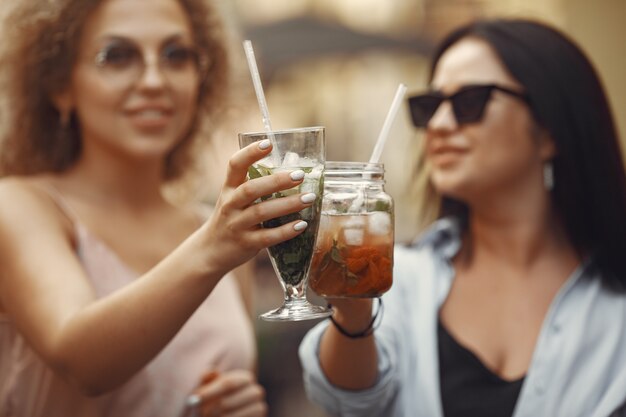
(19, 194)
(32, 227)
(15, 192)
(26, 206)
(41, 276)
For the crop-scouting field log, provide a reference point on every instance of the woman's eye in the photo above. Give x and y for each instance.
(117, 57)
(178, 56)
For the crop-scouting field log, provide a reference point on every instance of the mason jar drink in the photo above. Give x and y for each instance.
(353, 253)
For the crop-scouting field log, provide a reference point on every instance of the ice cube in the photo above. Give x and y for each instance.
(353, 237)
(291, 159)
(353, 230)
(379, 223)
(316, 172)
(282, 169)
(306, 162)
(354, 222)
(311, 183)
(310, 186)
(357, 205)
(265, 163)
(339, 203)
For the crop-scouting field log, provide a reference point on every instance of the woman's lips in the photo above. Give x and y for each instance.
(150, 118)
(446, 155)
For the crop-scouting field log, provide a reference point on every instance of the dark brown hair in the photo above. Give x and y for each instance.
(41, 44)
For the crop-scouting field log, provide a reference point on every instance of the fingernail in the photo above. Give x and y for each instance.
(300, 226)
(193, 401)
(297, 175)
(264, 144)
(308, 198)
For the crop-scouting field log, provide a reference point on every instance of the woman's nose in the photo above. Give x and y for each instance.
(152, 76)
(443, 119)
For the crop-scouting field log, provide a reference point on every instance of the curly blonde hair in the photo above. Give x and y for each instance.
(41, 46)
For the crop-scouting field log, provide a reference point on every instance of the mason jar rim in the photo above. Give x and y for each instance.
(373, 166)
(350, 171)
(265, 133)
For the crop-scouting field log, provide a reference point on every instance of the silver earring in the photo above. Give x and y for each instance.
(548, 176)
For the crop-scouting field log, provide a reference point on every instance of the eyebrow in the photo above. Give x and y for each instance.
(123, 38)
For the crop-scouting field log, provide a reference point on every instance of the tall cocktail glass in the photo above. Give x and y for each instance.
(293, 149)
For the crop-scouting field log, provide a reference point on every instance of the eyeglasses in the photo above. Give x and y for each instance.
(468, 103)
(122, 61)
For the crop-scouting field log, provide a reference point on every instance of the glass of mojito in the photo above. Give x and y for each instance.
(303, 149)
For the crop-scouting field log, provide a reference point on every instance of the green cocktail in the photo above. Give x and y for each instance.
(293, 149)
(293, 257)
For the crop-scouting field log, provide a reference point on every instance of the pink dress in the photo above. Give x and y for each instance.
(219, 336)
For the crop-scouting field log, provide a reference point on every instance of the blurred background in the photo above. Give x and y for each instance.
(337, 63)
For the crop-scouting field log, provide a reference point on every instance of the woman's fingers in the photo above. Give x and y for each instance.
(242, 159)
(252, 409)
(232, 394)
(263, 238)
(258, 409)
(273, 208)
(224, 383)
(251, 190)
(234, 231)
(248, 398)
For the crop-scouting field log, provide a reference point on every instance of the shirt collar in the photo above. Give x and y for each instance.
(444, 237)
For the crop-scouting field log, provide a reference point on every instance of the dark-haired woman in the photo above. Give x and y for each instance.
(513, 303)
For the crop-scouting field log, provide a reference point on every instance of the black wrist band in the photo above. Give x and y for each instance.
(373, 324)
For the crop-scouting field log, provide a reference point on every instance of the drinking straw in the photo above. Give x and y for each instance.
(260, 96)
(384, 132)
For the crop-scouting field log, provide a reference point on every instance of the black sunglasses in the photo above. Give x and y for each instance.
(468, 103)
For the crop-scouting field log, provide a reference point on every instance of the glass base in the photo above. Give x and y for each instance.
(296, 310)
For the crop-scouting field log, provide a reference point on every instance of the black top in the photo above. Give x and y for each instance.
(468, 388)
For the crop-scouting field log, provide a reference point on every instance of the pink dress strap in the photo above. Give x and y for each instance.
(60, 200)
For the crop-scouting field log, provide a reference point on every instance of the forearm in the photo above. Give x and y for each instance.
(102, 345)
(349, 363)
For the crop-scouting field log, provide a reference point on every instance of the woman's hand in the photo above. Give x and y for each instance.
(229, 394)
(233, 232)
